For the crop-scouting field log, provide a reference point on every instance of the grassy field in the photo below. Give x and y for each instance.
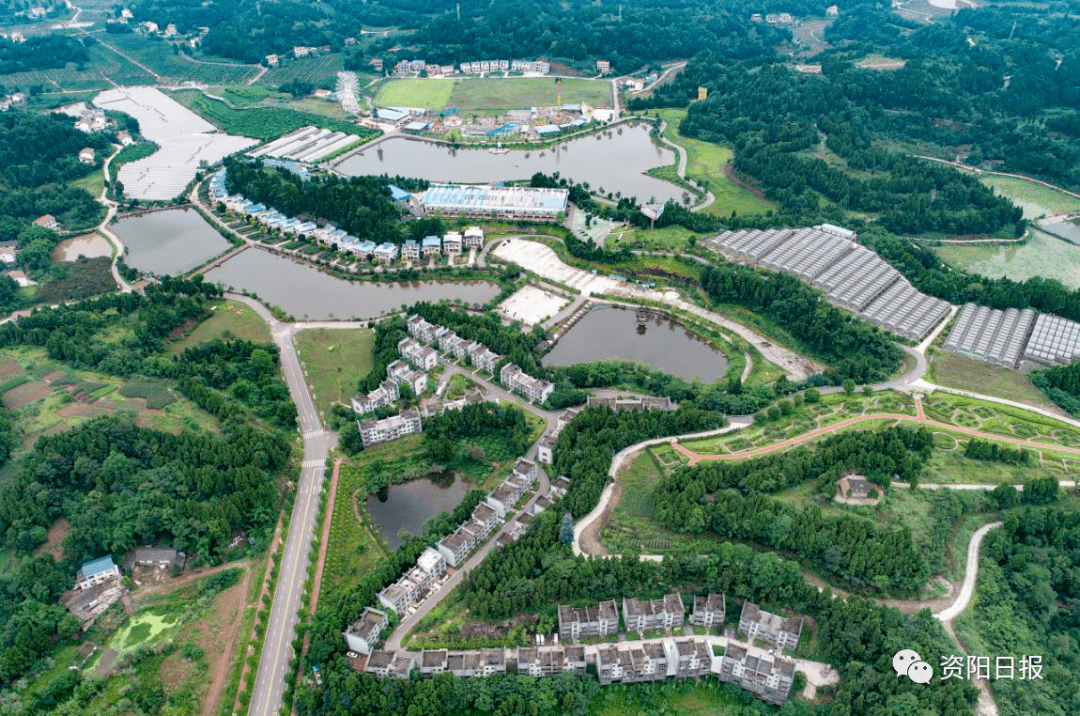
(1035, 199)
(263, 123)
(1041, 255)
(334, 360)
(705, 163)
(491, 96)
(954, 371)
(103, 63)
(231, 320)
(354, 547)
(433, 94)
(92, 182)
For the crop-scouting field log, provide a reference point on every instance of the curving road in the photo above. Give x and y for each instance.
(971, 574)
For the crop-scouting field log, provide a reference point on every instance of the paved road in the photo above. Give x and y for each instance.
(266, 698)
(103, 227)
(681, 170)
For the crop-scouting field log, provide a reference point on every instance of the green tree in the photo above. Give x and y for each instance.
(849, 386)
(566, 531)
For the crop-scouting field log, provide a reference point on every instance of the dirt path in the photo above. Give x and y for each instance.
(221, 663)
(150, 590)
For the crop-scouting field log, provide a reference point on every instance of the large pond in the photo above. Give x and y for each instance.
(613, 163)
(91, 246)
(407, 506)
(1065, 229)
(305, 292)
(168, 242)
(607, 333)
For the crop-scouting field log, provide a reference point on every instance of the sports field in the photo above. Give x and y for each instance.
(433, 94)
(492, 96)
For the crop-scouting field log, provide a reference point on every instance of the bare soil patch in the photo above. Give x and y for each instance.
(25, 394)
(54, 543)
(54, 376)
(108, 658)
(78, 410)
(485, 630)
(729, 172)
(10, 368)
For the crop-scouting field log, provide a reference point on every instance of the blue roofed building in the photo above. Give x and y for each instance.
(95, 572)
(431, 246)
(548, 130)
(410, 250)
(399, 194)
(365, 248)
(386, 252)
(505, 202)
(390, 115)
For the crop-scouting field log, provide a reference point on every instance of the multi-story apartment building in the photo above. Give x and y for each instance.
(373, 432)
(666, 613)
(579, 622)
(694, 658)
(363, 634)
(709, 611)
(772, 628)
(381, 397)
(769, 678)
(421, 356)
(518, 381)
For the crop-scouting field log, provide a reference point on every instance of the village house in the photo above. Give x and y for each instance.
(432, 661)
(518, 381)
(386, 252)
(855, 486)
(410, 250)
(379, 662)
(486, 518)
(433, 563)
(363, 634)
(603, 66)
(772, 628)
(456, 546)
(373, 432)
(125, 138)
(96, 571)
(560, 486)
(97, 587)
(492, 661)
(647, 662)
(86, 155)
(46, 221)
(545, 450)
(632, 402)
(767, 678)
(474, 237)
(709, 611)
(666, 613)
(463, 663)
(431, 246)
(580, 622)
(420, 329)
(272, 60)
(452, 242)
(154, 558)
(484, 359)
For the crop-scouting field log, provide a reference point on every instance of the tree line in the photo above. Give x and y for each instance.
(359, 205)
(1061, 384)
(855, 349)
(42, 53)
(992, 452)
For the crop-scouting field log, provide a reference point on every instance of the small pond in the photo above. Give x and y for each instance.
(408, 505)
(168, 242)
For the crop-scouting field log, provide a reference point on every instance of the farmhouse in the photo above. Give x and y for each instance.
(96, 571)
(153, 557)
(86, 155)
(46, 221)
(854, 486)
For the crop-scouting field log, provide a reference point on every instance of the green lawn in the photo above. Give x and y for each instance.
(334, 360)
(92, 182)
(954, 371)
(1035, 199)
(705, 164)
(1041, 255)
(353, 547)
(433, 93)
(230, 320)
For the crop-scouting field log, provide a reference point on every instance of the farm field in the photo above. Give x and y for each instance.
(320, 71)
(46, 397)
(705, 164)
(106, 65)
(956, 371)
(158, 56)
(1035, 199)
(354, 546)
(1041, 255)
(334, 360)
(263, 123)
(230, 320)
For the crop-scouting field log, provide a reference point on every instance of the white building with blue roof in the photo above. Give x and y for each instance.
(431, 246)
(502, 202)
(95, 572)
(386, 252)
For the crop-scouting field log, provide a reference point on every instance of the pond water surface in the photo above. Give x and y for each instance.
(608, 333)
(168, 242)
(408, 505)
(305, 292)
(615, 163)
(1066, 229)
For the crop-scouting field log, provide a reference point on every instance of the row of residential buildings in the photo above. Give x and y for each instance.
(669, 613)
(404, 68)
(432, 566)
(766, 676)
(518, 381)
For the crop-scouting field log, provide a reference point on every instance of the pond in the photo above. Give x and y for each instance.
(168, 242)
(303, 291)
(408, 505)
(614, 333)
(1065, 229)
(614, 163)
(89, 245)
